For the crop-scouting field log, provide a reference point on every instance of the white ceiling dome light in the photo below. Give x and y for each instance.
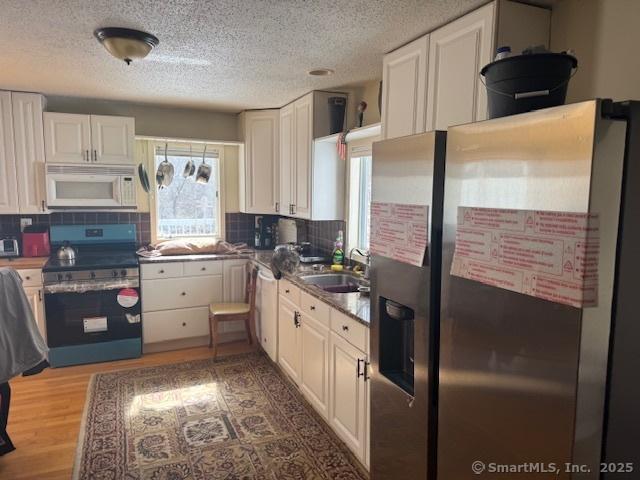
(126, 44)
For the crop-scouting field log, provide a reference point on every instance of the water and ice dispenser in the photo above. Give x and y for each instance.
(397, 323)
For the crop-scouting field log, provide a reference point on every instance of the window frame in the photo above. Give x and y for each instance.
(153, 197)
(356, 149)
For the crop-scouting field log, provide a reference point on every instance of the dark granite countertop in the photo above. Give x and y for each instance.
(354, 305)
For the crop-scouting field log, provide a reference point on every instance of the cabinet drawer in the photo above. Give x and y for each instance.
(315, 308)
(193, 269)
(31, 277)
(172, 293)
(289, 291)
(353, 332)
(161, 270)
(175, 324)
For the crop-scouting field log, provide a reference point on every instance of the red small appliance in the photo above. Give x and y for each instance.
(35, 242)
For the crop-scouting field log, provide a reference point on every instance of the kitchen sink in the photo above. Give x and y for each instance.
(334, 282)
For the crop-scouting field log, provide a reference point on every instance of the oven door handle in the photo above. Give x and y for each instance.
(93, 286)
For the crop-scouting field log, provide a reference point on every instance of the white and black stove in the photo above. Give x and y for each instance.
(92, 304)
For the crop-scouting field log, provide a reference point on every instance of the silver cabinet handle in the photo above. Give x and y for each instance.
(287, 291)
(40, 295)
(27, 277)
(277, 207)
(358, 372)
(204, 269)
(345, 328)
(86, 155)
(184, 294)
(95, 155)
(366, 371)
(313, 307)
(161, 271)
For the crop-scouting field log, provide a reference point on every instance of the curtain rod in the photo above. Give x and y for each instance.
(188, 140)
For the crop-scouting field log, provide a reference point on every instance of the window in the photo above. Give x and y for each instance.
(359, 200)
(187, 208)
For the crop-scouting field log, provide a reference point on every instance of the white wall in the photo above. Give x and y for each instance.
(605, 34)
(156, 121)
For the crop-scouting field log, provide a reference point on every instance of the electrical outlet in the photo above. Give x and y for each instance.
(25, 222)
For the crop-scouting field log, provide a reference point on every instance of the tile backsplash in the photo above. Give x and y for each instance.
(240, 227)
(10, 224)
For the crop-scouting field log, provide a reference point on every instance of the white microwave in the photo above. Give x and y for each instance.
(91, 186)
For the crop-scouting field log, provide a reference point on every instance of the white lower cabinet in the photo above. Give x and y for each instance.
(314, 378)
(35, 296)
(349, 401)
(289, 344)
(176, 298)
(33, 289)
(324, 352)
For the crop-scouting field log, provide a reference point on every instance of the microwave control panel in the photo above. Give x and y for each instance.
(128, 188)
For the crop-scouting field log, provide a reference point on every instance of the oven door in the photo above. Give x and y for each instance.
(92, 316)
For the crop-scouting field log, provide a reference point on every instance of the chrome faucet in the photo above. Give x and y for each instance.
(362, 253)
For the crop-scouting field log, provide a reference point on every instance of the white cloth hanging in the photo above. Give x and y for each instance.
(21, 345)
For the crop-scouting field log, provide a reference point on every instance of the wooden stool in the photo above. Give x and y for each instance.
(230, 312)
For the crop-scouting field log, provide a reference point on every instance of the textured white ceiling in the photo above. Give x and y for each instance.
(225, 55)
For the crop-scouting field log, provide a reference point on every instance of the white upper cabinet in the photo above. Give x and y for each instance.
(112, 139)
(8, 188)
(434, 82)
(67, 137)
(260, 131)
(311, 179)
(457, 52)
(287, 154)
(301, 204)
(74, 138)
(29, 151)
(404, 77)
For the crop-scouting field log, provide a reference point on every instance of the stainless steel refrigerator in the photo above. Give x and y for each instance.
(525, 329)
(406, 229)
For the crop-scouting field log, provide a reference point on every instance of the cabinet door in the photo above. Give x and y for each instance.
(457, 53)
(348, 403)
(36, 301)
(287, 154)
(303, 148)
(67, 138)
(29, 144)
(235, 280)
(404, 89)
(112, 139)
(8, 188)
(314, 374)
(289, 351)
(267, 314)
(261, 139)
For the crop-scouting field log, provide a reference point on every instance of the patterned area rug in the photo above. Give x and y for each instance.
(233, 418)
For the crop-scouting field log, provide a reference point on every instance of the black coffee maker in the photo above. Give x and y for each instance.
(265, 232)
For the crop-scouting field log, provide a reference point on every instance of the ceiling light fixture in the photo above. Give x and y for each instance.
(321, 72)
(126, 44)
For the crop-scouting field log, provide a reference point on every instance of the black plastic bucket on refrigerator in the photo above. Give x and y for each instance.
(337, 106)
(523, 83)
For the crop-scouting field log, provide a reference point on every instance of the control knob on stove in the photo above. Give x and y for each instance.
(69, 276)
(92, 275)
(60, 277)
(123, 272)
(114, 273)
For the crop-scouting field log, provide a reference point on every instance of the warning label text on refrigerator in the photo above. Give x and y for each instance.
(549, 255)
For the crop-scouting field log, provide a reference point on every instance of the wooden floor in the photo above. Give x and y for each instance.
(46, 411)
